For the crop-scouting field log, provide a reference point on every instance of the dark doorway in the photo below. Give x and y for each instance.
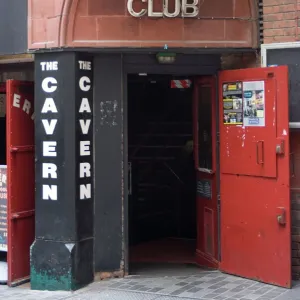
(162, 177)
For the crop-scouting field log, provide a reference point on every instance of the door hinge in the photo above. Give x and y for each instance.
(219, 200)
(218, 137)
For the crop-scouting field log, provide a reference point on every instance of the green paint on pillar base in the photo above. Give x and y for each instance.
(48, 281)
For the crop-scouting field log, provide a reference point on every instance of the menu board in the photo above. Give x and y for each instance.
(3, 208)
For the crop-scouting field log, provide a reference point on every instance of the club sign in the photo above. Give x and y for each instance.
(183, 8)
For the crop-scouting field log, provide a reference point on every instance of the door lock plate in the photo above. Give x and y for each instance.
(281, 215)
(280, 146)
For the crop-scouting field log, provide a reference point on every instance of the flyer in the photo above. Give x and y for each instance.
(233, 103)
(3, 209)
(254, 103)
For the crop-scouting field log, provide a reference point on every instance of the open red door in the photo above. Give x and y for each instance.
(254, 162)
(20, 178)
(204, 112)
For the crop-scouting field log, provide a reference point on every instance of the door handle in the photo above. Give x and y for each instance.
(129, 178)
(292, 164)
(260, 145)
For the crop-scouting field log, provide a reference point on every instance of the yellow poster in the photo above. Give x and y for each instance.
(233, 103)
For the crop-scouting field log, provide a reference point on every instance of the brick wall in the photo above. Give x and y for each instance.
(240, 60)
(279, 20)
(280, 24)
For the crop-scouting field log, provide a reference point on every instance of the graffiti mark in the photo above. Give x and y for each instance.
(108, 113)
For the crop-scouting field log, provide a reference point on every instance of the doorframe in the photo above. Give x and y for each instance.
(155, 68)
(212, 81)
(218, 175)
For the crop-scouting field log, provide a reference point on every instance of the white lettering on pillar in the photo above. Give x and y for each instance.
(85, 84)
(85, 148)
(85, 191)
(85, 121)
(85, 126)
(85, 65)
(50, 192)
(49, 66)
(49, 149)
(85, 106)
(49, 126)
(50, 170)
(49, 85)
(49, 106)
(85, 170)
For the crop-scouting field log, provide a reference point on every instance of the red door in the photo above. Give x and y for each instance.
(204, 110)
(20, 178)
(254, 174)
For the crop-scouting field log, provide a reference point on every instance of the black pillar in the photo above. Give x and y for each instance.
(109, 190)
(62, 254)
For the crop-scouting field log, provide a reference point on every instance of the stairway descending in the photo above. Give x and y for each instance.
(159, 163)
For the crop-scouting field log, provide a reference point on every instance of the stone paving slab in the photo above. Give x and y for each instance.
(203, 285)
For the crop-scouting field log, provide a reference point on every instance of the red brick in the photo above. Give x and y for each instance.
(277, 2)
(279, 9)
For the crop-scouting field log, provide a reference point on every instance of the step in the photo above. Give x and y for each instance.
(149, 158)
(165, 134)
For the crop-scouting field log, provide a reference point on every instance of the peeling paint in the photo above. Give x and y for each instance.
(243, 139)
(50, 281)
(108, 113)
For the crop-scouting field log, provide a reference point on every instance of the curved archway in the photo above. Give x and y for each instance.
(48, 23)
(90, 23)
(68, 6)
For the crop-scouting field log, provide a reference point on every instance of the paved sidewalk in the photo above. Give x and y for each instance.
(189, 286)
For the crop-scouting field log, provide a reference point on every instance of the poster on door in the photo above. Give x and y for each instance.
(3, 208)
(233, 103)
(254, 103)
